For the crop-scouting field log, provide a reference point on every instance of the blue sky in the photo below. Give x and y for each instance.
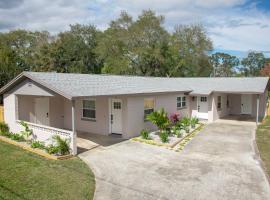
(235, 26)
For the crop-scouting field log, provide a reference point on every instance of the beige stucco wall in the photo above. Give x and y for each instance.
(99, 126)
(135, 110)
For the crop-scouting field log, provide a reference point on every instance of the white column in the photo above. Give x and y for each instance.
(258, 106)
(74, 136)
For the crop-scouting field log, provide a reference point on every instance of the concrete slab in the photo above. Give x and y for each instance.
(219, 163)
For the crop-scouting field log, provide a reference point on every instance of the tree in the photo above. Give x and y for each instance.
(192, 46)
(223, 64)
(252, 64)
(135, 47)
(74, 50)
(265, 71)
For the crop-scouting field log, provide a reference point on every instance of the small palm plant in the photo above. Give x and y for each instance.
(194, 121)
(186, 123)
(159, 118)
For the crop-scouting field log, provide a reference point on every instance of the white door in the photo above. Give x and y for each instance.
(42, 111)
(116, 116)
(202, 107)
(246, 104)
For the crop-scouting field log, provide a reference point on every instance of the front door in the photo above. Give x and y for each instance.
(116, 116)
(202, 107)
(42, 111)
(246, 104)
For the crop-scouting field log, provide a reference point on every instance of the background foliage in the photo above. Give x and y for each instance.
(136, 47)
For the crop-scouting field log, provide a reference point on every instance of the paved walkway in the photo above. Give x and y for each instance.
(219, 163)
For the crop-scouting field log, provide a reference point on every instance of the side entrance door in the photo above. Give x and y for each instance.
(42, 111)
(116, 116)
(246, 104)
(202, 107)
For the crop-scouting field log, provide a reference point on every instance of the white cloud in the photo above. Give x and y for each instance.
(232, 24)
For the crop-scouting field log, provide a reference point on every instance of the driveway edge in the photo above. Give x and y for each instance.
(257, 157)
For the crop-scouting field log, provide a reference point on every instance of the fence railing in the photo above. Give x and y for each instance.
(1, 113)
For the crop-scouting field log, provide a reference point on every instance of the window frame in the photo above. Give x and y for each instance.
(82, 109)
(203, 97)
(153, 109)
(181, 101)
(219, 102)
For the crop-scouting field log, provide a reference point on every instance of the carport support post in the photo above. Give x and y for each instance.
(257, 111)
(74, 135)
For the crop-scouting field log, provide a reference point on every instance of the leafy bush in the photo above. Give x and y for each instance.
(62, 144)
(174, 117)
(27, 131)
(186, 123)
(145, 134)
(159, 118)
(16, 136)
(38, 144)
(176, 130)
(51, 149)
(6, 134)
(194, 121)
(3, 128)
(164, 136)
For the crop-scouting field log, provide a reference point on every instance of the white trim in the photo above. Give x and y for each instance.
(110, 112)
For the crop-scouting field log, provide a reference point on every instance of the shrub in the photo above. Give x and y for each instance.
(159, 118)
(145, 134)
(27, 131)
(164, 136)
(38, 144)
(176, 130)
(3, 128)
(51, 149)
(16, 136)
(194, 121)
(62, 144)
(6, 134)
(174, 117)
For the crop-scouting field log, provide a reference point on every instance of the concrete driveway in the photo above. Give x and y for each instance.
(219, 163)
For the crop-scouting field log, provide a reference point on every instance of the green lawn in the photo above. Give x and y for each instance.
(24, 175)
(263, 142)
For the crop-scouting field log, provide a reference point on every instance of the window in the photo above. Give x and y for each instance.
(203, 99)
(89, 109)
(228, 103)
(149, 105)
(117, 105)
(219, 103)
(181, 102)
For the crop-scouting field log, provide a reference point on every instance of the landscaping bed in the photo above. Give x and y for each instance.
(171, 130)
(25, 175)
(58, 149)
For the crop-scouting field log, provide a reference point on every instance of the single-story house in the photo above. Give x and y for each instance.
(64, 104)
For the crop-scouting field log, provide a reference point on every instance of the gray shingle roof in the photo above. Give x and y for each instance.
(78, 85)
(228, 84)
(83, 85)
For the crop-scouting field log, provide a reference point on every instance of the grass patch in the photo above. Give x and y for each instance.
(25, 175)
(263, 142)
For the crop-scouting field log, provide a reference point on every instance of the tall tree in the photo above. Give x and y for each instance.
(252, 64)
(265, 71)
(74, 50)
(223, 64)
(193, 45)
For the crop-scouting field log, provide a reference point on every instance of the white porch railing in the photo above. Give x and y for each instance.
(44, 133)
